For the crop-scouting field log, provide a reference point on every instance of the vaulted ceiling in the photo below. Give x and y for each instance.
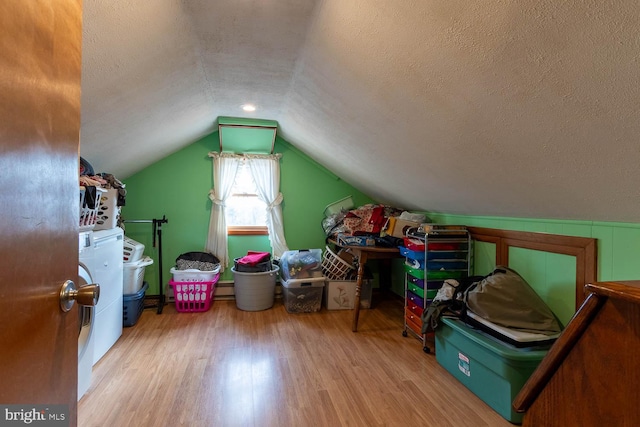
(523, 109)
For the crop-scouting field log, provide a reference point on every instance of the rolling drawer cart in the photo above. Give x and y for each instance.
(433, 253)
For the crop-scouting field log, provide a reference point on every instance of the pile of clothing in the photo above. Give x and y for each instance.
(502, 297)
(203, 261)
(253, 262)
(366, 220)
(106, 181)
(90, 180)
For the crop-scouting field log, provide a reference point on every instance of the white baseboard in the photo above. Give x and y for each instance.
(224, 291)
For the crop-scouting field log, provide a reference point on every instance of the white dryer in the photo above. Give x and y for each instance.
(107, 271)
(86, 315)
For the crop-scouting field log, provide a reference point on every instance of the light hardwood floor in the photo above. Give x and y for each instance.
(228, 367)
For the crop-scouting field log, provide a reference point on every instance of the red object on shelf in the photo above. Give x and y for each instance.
(413, 244)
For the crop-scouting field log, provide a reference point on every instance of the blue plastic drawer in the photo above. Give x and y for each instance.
(446, 265)
(417, 255)
(433, 255)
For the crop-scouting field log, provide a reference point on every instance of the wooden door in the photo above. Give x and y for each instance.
(40, 50)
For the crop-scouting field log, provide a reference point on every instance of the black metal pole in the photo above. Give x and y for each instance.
(156, 231)
(159, 231)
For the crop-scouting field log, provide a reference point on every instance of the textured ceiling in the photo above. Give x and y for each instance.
(524, 109)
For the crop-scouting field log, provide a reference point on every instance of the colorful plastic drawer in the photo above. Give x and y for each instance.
(418, 273)
(434, 255)
(414, 322)
(415, 263)
(411, 297)
(448, 246)
(446, 274)
(414, 244)
(446, 265)
(417, 255)
(430, 294)
(415, 328)
(415, 309)
(434, 284)
(416, 289)
(417, 282)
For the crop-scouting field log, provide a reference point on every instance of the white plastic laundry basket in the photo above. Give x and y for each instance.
(133, 275)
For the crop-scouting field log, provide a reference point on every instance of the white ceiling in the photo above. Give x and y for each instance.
(523, 109)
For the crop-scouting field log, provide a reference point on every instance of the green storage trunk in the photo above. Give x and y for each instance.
(493, 371)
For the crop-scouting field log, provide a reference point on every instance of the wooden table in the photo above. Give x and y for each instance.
(363, 254)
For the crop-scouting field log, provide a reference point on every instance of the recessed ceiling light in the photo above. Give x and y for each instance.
(249, 107)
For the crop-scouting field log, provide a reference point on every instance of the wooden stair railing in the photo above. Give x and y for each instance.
(591, 375)
(557, 353)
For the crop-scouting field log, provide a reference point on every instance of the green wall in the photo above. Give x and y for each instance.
(553, 275)
(178, 187)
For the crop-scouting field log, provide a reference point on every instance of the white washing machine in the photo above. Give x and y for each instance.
(107, 271)
(85, 314)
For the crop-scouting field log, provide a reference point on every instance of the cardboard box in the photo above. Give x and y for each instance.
(347, 240)
(398, 227)
(341, 294)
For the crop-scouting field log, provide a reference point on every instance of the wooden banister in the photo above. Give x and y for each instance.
(584, 249)
(591, 376)
(558, 352)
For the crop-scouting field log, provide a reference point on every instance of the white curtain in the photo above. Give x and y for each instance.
(225, 168)
(266, 174)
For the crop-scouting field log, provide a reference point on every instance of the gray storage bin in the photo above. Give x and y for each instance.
(255, 291)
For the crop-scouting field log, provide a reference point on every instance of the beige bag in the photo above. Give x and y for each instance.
(506, 299)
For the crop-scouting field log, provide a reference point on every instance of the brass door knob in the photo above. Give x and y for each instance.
(86, 295)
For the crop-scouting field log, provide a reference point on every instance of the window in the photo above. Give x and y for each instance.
(245, 213)
(266, 170)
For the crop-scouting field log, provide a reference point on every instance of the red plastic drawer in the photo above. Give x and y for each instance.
(415, 309)
(414, 244)
(448, 246)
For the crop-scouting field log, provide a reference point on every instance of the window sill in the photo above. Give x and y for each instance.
(247, 231)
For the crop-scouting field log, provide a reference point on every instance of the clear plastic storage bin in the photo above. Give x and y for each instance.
(301, 264)
(303, 295)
